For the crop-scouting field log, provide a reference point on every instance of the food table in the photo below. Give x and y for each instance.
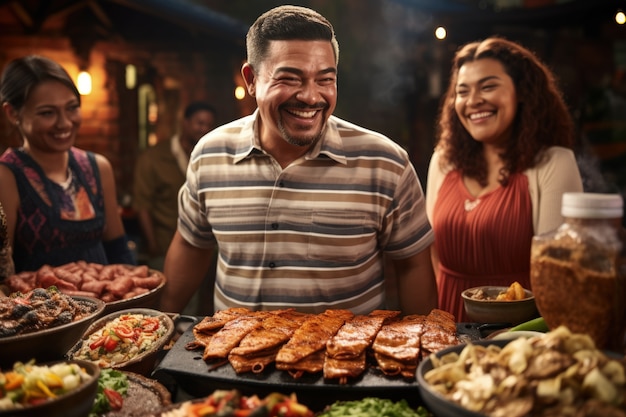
(184, 371)
(181, 373)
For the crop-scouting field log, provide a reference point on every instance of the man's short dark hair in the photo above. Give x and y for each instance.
(197, 106)
(287, 23)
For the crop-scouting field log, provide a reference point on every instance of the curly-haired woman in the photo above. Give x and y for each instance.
(502, 161)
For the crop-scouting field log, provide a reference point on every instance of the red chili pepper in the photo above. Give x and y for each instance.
(95, 345)
(116, 401)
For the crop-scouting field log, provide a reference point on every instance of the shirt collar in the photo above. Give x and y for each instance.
(330, 144)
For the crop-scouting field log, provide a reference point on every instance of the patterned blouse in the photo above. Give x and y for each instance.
(57, 223)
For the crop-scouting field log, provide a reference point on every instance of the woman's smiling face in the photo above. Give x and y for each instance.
(50, 117)
(486, 101)
(296, 91)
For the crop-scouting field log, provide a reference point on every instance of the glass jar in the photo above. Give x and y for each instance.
(577, 271)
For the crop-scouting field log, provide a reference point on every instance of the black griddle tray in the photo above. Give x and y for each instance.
(183, 369)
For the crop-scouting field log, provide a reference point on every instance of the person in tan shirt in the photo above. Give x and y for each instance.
(159, 174)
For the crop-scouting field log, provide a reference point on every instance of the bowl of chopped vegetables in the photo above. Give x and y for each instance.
(128, 340)
(53, 389)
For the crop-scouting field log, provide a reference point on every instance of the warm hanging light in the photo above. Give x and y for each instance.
(131, 76)
(240, 92)
(441, 33)
(620, 17)
(84, 83)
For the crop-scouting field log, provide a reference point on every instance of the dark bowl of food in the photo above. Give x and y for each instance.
(486, 304)
(143, 297)
(511, 377)
(53, 389)
(43, 324)
(120, 286)
(129, 340)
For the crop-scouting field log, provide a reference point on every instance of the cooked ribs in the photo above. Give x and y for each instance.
(397, 346)
(336, 342)
(259, 347)
(346, 350)
(439, 332)
(302, 352)
(229, 336)
(203, 332)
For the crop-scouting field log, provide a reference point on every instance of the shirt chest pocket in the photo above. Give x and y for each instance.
(340, 236)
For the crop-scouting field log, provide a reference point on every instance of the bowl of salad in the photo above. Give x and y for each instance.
(128, 340)
(51, 389)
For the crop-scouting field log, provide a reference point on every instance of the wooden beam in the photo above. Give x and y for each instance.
(100, 13)
(22, 14)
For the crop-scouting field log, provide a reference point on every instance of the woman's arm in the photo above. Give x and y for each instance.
(557, 175)
(113, 226)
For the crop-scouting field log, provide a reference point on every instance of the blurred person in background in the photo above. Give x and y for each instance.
(159, 174)
(301, 205)
(60, 201)
(501, 164)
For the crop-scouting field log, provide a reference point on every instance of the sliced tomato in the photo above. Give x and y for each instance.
(37, 400)
(110, 343)
(150, 324)
(249, 403)
(116, 401)
(124, 331)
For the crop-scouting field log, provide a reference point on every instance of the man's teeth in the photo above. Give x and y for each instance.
(303, 113)
(474, 116)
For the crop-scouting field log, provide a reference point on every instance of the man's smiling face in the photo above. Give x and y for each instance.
(296, 91)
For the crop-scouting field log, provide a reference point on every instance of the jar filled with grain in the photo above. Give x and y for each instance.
(578, 271)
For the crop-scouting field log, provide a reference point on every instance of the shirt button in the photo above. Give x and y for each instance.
(274, 226)
(272, 265)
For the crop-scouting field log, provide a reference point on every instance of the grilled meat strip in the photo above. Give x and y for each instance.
(346, 350)
(259, 347)
(310, 338)
(397, 346)
(229, 336)
(439, 332)
(208, 326)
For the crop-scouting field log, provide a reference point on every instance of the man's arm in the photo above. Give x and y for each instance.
(417, 288)
(185, 268)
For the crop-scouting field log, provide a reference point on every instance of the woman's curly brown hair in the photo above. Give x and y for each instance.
(542, 120)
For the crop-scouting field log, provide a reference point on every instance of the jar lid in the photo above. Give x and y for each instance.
(592, 205)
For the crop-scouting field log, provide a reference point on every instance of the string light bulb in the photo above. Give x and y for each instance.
(240, 92)
(83, 83)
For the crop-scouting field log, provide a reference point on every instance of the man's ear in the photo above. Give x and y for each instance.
(249, 77)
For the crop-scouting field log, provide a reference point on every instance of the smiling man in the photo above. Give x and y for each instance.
(302, 205)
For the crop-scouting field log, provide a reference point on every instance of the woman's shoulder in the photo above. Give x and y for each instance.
(556, 155)
(559, 151)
